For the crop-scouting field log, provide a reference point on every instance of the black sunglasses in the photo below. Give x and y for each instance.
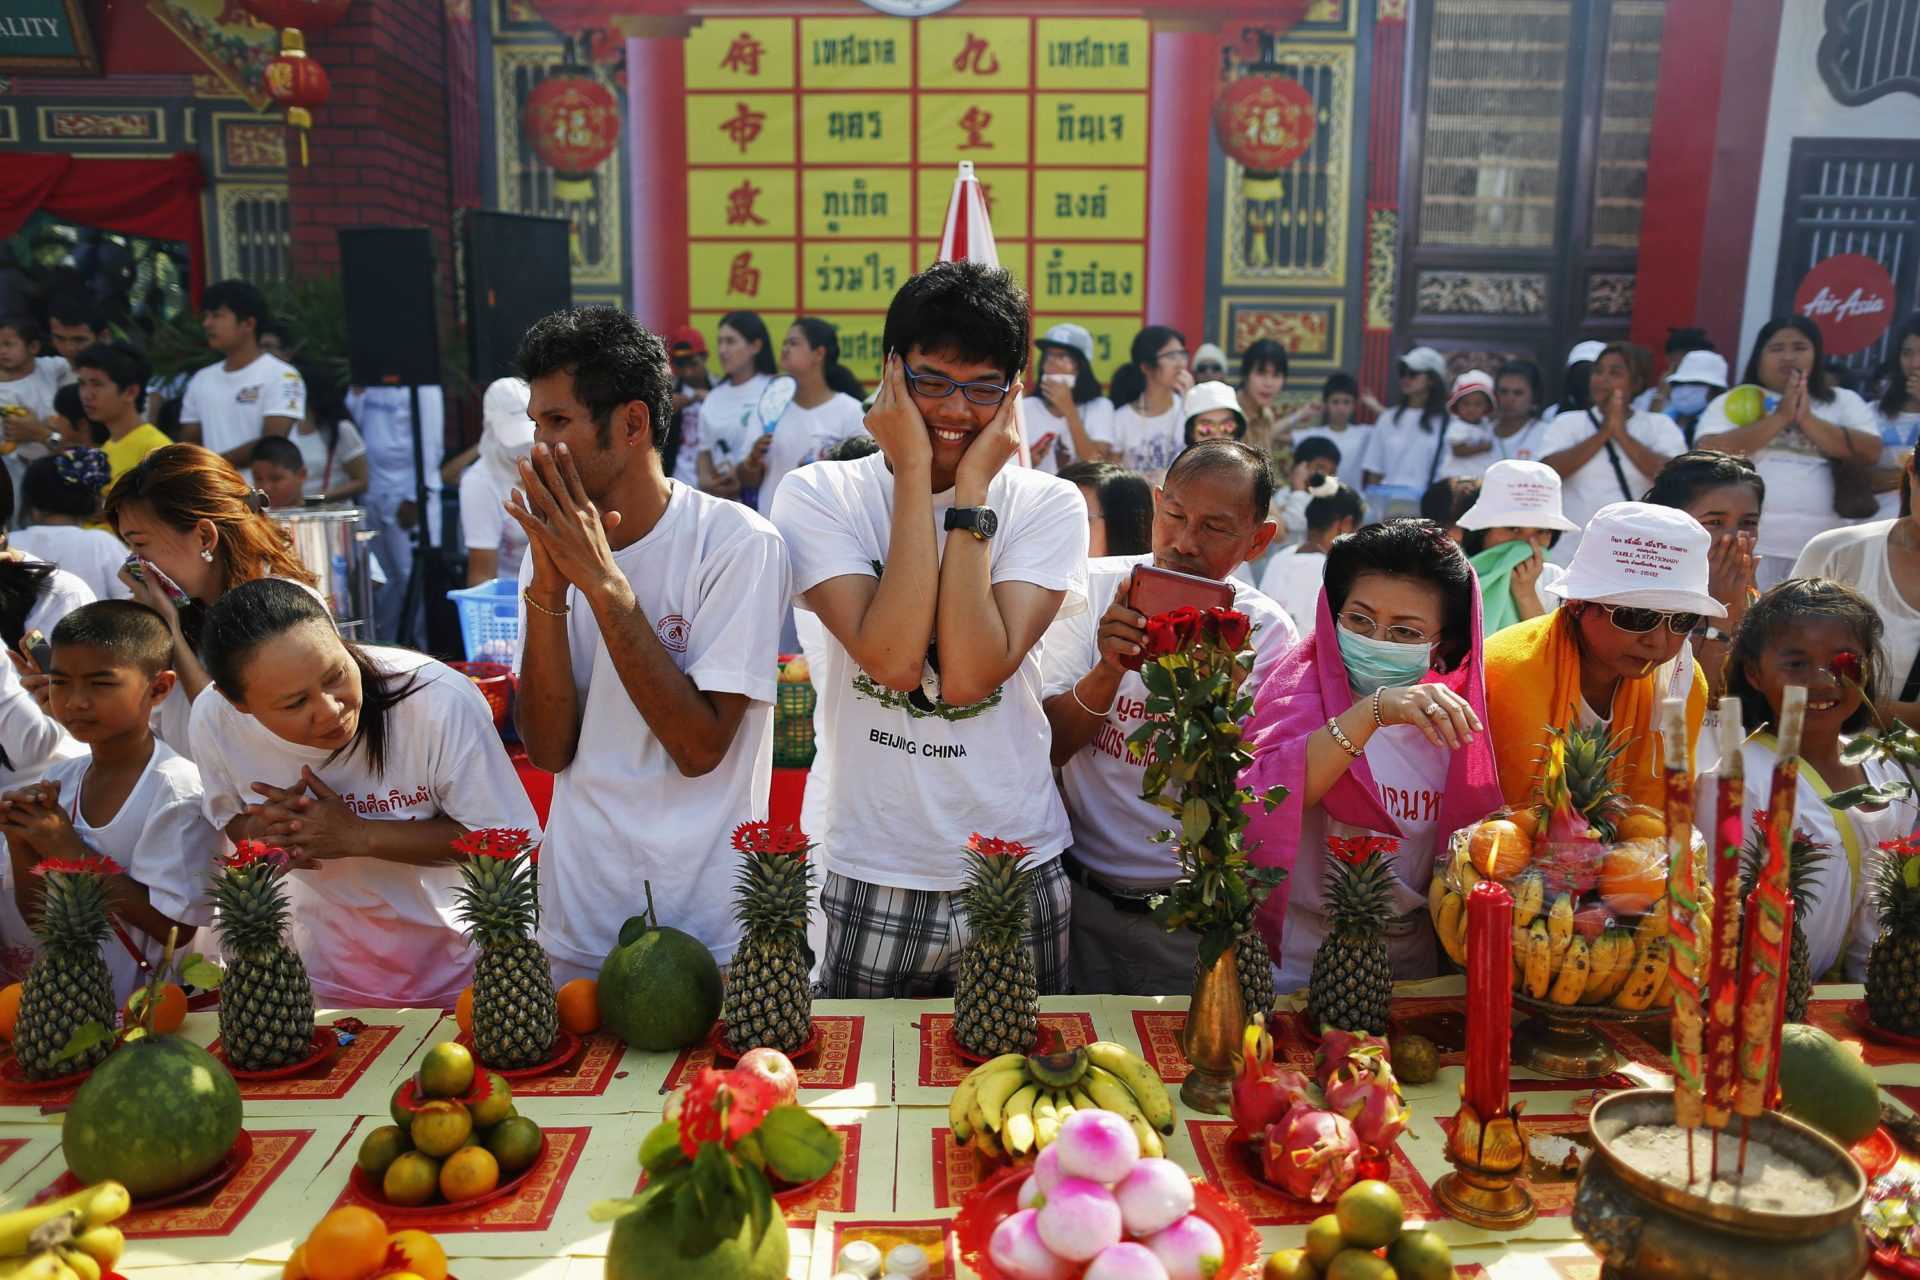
(1640, 621)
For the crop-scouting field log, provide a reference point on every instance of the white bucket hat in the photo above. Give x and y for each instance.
(1518, 495)
(1584, 352)
(1208, 396)
(1071, 336)
(1426, 360)
(1709, 367)
(1643, 556)
(506, 431)
(1209, 353)
(1469, 382)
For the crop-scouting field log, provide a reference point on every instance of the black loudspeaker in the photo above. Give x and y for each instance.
(393, 330)
(519, 268)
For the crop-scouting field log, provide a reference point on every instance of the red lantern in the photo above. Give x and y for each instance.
(298, 83)
(572, 121)
(307, 15)
(1266, 122)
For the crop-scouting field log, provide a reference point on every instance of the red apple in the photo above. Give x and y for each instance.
(776, 1069)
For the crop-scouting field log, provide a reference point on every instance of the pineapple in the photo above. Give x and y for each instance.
(266, 1003)
(1253, 963)
(515, 1017)
(68, 986)
(1893, 966)
(1804, 859)
(769, 1001)
(1578, 779)
(996, 998)
(1352, 979)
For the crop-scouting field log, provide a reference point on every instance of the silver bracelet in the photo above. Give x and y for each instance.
(1346, 743)
(1074, 689)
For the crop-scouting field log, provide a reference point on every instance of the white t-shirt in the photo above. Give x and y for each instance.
(727, 425)
(92, 555)
(377, 933)
(1112, 826)
(1799, 481)
(60, 595)
(1352, 442)
(160, 837)
(1402, 452)
(313, 451)
(1146, 445)
(232, 406)
(1292, 579)
(802, 435)
(1473, 465)
(1898, 435)
(1047, 432)
(1596, 484)
(926, 775)
(711, 577)
(31, 742)
(1523, 445)
(484, 522)
(1857, 556)
(34, 393)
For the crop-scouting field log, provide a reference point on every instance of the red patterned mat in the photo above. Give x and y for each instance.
(587, 1076)
(531, 1208)
(942, 1067)
(329, 1080)
(1232, 1167)
(833, 1193)
(833, 1064)
(219, 1210)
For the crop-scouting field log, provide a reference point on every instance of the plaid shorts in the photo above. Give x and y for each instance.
(888, 943)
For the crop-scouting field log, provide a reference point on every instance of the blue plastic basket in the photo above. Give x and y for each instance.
(489, 619)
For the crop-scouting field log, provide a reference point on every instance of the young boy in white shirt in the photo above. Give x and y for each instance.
(649, 648)
(28, 381)
(936, 568)
(130, 799)
(249, 393)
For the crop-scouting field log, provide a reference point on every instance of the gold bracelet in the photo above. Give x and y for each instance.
(1346, 743)
(561, 612)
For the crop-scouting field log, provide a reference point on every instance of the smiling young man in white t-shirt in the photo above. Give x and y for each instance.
(249, 393)
(1209, 518)
(649, 647)
(936, 568)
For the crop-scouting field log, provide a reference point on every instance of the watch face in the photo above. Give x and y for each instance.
(985, 523)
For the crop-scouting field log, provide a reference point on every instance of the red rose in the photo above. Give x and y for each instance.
(1162, 639)
(1846, 666)
(1186, 622)
(1231, 626)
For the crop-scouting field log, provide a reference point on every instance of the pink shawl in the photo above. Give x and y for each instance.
(1300, 694)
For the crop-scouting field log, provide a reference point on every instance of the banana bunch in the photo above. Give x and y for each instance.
(1623, 967)
(66, 1239)
(1447, 902)
(1014, 1104)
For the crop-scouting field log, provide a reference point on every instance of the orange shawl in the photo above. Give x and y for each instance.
(1533, 685)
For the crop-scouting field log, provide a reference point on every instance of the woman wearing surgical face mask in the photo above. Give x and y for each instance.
(1376, 725)
(495, 544)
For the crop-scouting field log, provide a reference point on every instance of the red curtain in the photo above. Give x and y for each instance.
(159, 199)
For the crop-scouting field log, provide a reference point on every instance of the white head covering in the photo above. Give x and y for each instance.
(1517, 494)
(1709, 367)
(1208, 396)
(1643, 556)
(506, 432)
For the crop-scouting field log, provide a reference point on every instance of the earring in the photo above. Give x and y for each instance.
(206, 555)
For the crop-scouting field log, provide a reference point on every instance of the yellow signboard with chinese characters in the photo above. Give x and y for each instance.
(751, 202)
(856, 203)
(981, 127)
(855, 53)
(1004, 188)
(740, 128)
(740, 53)
(738, 275)
(858, 128)
(974, 53)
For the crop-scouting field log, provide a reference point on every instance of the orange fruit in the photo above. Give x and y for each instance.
(1632, 877)
(296, 1268)
(1642, 823)
(411, 1180)
(467, 1173)
(463, 1012)
(1498, 849)
(9, 1009)
(420, 1253)
(347, 1244)
(579, 1002)
(169, 1009)
(1527, 819)
(440, 1127)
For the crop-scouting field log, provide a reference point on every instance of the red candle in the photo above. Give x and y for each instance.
(1489, 996)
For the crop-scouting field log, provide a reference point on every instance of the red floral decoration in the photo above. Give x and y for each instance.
(494, 842)
(1846, 666)
(1230, 627)
(764, 837)
(572, 122)
(248, 852)
(1354, 850)
(92, 865)
(298, 83)
(723, 1107)
(308, 15)
(991, 847)
(1266, 122)
(1903, 848)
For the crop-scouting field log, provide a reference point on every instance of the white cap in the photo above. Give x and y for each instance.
(1518, 495)
(1640, 555)
(1709, 367)
(1072, 336)
(503, 412)
(1209, 353)
(1585, 352)
(1426, 360)
(1208, 396)
(1469, 382)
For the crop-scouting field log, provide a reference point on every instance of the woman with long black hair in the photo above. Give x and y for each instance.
(825, 409)
(365, 764)
(1897, 410)
(1148, 422)
(731, 450)
(34, 595)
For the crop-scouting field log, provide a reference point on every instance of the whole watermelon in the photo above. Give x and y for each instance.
(1825, 1083)
(660, 988)
(156, 1115)
(646, 1246)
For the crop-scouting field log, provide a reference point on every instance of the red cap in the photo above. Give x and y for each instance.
(686, 339)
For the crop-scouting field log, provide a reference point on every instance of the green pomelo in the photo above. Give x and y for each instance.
(156, 1115)
(645, 1246)
(659, 988)
(1827, 1085)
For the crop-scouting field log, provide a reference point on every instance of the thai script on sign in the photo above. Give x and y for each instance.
(1089, 281)
(853, 126)
(852, 51)
(1083, 204)
(1075, 125)
(1088, 53)
(869, 273)
(855, 203)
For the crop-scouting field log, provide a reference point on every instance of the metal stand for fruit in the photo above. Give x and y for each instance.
(1563, 1040)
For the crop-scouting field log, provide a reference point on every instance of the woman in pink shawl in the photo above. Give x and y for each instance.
(1375, 724)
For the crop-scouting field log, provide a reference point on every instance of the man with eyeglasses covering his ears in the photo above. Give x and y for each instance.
(935, 568)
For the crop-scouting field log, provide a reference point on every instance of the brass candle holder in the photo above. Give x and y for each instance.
(1484, 1189)
(1216, 1023)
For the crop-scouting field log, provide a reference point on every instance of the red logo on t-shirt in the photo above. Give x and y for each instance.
(1850, 296)
(674, 632)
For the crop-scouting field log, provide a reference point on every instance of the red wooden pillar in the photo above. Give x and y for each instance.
(1385, 116)
(657, 163)
(1185, 65)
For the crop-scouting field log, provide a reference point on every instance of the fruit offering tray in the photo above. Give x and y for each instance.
(929, 1062)
(850, 1064)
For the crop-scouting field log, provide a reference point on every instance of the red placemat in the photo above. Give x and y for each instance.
(219, 1210)
(8, 1146)
(26, 1095)
(1552, 1190)
(834, 1193)
(886, 1233)
(587, 1076)
(1831, 1016)
(833, 1064)
(332, 1079)
(942, 1067)
(532, 1208)
(957, 1169)
(1441, 1019)
(1231, 1167)
(1159, 1031)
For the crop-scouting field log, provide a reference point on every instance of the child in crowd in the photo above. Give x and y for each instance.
(27, 383)
(1605, 452)
(1339, 401)
(1313, 458)
(1445, 501)
(112, 379)
(1213, 413)
(1146, 433)
(1509, 529)
(1469, 437)
(1119, 508)
(1292, 576)
(60, 503)
(1409, 442)
(1067, 413)
(1897, 411)
(331, 446)
(130, 799)
(1724, 492)
(1824, 636)
(279, 471)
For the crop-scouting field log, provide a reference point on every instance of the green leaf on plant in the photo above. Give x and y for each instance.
(660, 1149)
(799, 1146)
(1195, 818)
(1862, 748)
(613, 1210)
(1273, 798)
(201, 973)
(759, 1200)
(85, 1037)
(1869, 794)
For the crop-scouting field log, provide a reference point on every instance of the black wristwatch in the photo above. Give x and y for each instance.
(978, 521)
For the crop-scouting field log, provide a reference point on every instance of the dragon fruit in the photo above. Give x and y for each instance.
(1363, 1090)
(1570, 854)
(1311, 1154)
(1336, 1046)
(1262, 1092)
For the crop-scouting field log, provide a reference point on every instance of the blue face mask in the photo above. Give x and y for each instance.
(1687, 399)
(1382, 664)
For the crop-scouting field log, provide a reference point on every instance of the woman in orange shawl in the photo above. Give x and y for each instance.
(1611, 655)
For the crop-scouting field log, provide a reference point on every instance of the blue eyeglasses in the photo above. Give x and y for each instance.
(935, 386)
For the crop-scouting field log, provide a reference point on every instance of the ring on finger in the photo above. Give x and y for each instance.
(1434, 709)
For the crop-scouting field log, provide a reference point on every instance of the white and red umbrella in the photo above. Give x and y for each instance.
(968, 237)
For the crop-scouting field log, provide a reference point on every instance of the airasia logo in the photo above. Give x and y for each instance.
(1850, 296)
